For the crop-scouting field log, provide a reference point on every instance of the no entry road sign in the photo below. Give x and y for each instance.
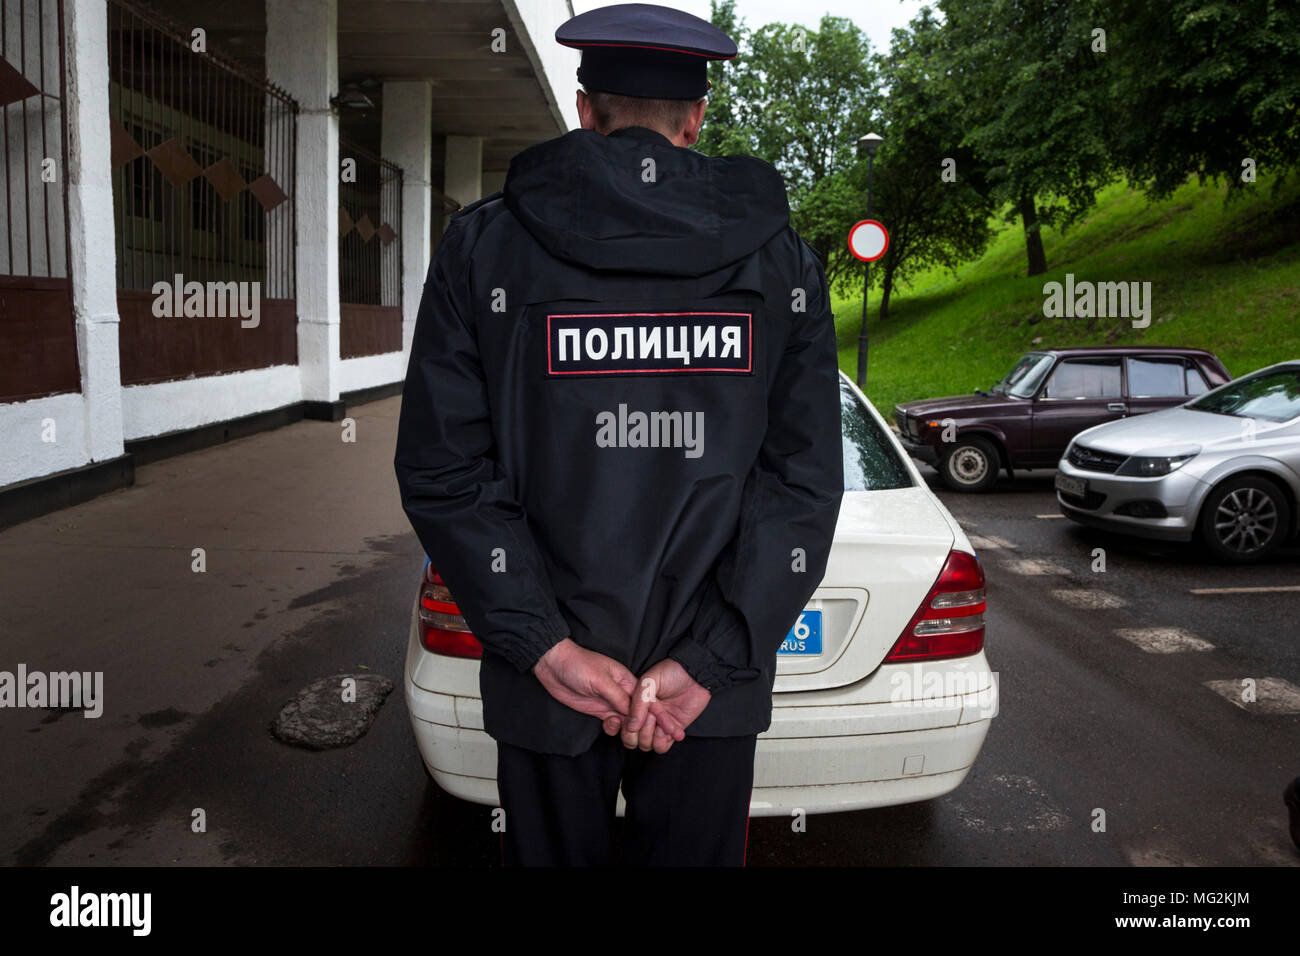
(868, 240)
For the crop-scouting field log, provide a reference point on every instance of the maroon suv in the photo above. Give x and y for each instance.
(1048, 397)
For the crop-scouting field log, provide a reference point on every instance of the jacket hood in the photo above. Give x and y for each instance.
(592, 199)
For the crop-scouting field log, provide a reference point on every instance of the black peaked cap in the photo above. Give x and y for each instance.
(643, 49)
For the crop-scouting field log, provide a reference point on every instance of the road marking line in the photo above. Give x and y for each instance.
(1273, 695)
(1036, 566)
(1163, 640)
(1049, 516)
(990, 542)
(1258, 590)
(1089, 599)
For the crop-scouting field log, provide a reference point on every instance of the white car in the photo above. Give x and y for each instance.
(883, 694)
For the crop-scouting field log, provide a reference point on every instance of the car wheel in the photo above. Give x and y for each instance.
(1245, 519)
(969, 464)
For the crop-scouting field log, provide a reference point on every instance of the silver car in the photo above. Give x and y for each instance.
(1224, 467)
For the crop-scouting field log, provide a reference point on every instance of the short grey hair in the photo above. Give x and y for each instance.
(615, 111)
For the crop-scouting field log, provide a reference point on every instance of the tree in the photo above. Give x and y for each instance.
(1026, 80)
(798, 99)
(931, 192)
(801, 100)
(1203, 85)
(723, 133)
(809, 96)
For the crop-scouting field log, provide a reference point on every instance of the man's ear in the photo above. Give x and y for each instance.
(586, 113)
(694, 122)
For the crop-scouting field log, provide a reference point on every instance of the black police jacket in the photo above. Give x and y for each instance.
(621, 424)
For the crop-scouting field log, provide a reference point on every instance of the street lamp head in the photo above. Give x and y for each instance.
(868, 144)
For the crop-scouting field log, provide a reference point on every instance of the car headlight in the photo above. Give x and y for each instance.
(1154, 466)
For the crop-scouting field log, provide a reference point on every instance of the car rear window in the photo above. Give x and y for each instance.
(1156, 377)
(1196, 381)
(870, 461)
(1152, 377)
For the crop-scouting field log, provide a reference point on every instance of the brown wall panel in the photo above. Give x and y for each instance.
(38, 338)
(369, 329)
(164, 349)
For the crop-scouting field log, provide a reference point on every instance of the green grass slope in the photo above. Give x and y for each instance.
(1224, 277)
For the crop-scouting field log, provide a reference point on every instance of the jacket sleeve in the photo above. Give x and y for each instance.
(791, 501)
(454, 491)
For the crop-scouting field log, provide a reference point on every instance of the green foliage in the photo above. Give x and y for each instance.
(933, 219)
(801, 100)
(1202, 85)
(1226, 278)
(1043, 104)
(807, 95)
(1031, 92)
(723, 134)
(798, 99)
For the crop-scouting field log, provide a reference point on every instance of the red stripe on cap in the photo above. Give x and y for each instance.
(644, 46)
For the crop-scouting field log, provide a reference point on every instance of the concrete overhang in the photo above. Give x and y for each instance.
(513, 98)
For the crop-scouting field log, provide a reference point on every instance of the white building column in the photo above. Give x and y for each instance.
(463, 179)
(302, 57)
(93, 264)
(407, 140)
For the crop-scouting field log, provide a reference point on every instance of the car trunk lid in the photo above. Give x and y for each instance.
(890, 547)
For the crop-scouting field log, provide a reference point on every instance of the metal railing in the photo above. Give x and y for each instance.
(370, 228)
(203, 161)
(33, 202)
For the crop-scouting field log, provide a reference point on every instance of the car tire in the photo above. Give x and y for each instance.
(970, 464)
(1245, 519)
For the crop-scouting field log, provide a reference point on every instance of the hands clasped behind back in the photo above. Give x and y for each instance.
(651, 714)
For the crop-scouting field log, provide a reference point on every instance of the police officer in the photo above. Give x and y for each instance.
(620, 447)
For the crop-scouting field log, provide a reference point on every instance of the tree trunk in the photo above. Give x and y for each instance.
(822, 248)
(1033, 236)
(885, 289)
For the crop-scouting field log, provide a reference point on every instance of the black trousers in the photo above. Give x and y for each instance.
(688, 807)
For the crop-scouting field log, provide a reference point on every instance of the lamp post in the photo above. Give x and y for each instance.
(867, 144)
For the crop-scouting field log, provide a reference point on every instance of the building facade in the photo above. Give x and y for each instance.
(218, 218)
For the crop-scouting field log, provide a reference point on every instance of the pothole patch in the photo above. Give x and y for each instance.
(332, 712)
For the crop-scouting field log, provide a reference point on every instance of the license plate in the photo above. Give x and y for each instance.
(1071, 486)
(806, 635)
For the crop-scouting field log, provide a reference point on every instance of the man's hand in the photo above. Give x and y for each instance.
(665, 703)
(586, 681)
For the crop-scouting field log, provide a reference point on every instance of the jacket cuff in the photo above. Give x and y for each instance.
(525, 650)
(706, 668)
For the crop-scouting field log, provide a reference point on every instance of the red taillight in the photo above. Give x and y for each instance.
(442, 628)
(950, 621)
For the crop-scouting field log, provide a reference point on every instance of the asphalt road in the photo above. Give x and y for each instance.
(319, 575)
